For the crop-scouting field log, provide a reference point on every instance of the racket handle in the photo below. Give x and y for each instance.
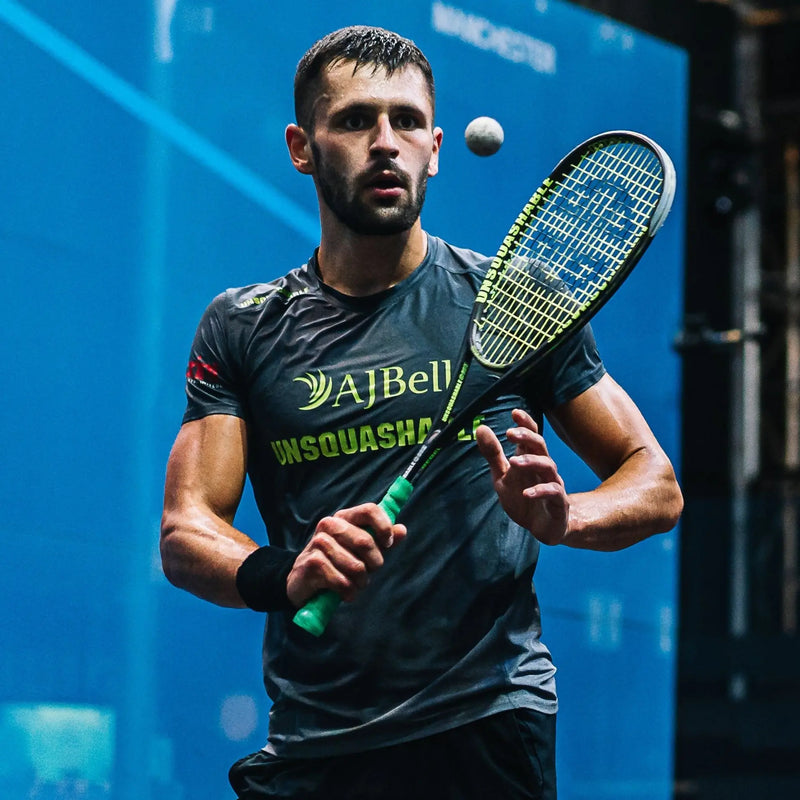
(317, 612)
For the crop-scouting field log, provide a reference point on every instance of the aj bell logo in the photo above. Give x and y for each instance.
(319, 387)
(366, 388)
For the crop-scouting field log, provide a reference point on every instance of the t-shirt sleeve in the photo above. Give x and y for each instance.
(211, 385)
(569, 371)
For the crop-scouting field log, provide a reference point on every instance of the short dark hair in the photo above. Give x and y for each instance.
(362, 45)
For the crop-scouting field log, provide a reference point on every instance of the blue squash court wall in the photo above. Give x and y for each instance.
(143, 171)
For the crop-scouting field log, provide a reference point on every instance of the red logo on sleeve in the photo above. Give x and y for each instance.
(202, 371)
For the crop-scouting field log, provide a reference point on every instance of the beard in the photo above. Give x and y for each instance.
(342, 197)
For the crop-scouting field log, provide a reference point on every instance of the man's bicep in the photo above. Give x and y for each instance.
(207, 465)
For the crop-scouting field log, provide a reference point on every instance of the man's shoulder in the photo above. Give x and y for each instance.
(457, 258)
(279, 291)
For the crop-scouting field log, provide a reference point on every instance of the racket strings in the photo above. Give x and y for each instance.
(591, 209)
(568, 249)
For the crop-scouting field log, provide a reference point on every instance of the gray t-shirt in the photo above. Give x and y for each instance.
(336, 392)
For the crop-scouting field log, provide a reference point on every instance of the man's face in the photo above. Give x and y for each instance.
(374, 147)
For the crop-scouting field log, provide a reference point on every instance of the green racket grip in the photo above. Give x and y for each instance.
(396, 497)
(317, 612)
(315, 615)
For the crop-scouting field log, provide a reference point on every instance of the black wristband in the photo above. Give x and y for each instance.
(261, 579)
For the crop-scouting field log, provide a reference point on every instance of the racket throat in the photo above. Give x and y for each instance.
(426, 452)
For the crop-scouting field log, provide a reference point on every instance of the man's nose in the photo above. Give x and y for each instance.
(385, 139)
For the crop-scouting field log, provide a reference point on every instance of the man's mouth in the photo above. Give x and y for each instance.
(386, 184)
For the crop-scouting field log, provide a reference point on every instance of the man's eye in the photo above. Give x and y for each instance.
(406, 122)
(354, 122)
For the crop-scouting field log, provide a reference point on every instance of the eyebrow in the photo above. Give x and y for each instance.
(366, 106)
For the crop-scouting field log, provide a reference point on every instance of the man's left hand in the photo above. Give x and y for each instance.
(528, 484)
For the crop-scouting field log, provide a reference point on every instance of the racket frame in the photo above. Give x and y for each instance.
(449, 424)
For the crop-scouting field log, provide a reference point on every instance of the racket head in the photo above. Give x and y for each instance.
(571, 247)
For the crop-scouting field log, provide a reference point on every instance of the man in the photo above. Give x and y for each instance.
(431, 680)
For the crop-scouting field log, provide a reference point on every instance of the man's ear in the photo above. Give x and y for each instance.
(299, 149)
(433, 165)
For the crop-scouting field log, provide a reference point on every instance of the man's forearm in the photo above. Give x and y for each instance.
(641, 499)
(204, 561)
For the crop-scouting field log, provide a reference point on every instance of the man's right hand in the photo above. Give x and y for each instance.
(342, 552)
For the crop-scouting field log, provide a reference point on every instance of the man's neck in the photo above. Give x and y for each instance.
(359, 265)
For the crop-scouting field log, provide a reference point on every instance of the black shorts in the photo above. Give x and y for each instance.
(510, 755)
